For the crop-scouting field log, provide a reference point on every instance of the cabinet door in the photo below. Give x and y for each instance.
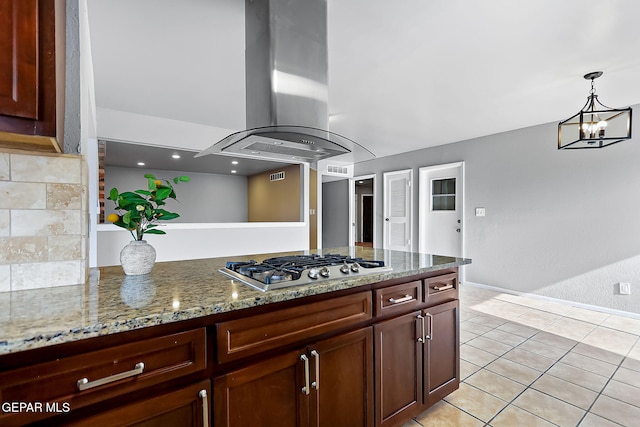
(398, 367)
(442, 352)
(28, 67)
(342, 380)
(19, 58)
(265, 394)
(187, 406)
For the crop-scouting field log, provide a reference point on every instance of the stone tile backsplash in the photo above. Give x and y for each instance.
(43, 221)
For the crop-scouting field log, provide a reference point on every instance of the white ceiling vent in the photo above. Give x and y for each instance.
(278, 176)
(338, 170)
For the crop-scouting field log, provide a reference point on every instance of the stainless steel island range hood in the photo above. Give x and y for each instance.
(286, 87)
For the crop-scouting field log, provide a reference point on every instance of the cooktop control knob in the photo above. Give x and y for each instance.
(313, 273)
(345, 268)
(324, 272)
(355, 267)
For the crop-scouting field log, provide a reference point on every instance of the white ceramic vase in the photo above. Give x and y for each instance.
(137, 258)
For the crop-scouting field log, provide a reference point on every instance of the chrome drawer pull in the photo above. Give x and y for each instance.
(421, 338)
(205, 404)
(306, 389)
(400, 300)
(85, 384)
(443, 288)
(430, 335)
(316, 383)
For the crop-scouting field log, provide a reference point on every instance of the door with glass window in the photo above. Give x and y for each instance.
(441, 210)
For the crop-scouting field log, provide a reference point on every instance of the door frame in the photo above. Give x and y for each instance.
(385, 192)
(353, 210)
(424, 202)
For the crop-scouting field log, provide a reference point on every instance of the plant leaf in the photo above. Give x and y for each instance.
(162, 193)
(113, 194)
(155, 231)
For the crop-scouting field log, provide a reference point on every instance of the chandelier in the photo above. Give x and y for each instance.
(595, 125)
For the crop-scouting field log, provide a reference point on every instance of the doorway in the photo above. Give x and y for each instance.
(363, 211)
(442, 209)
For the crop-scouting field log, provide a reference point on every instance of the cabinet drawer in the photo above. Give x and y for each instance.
(87, 378)
(188, 406)
(398, 298)
(255, 334)
(441, 288)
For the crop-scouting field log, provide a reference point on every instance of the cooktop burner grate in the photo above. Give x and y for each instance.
(299, 269)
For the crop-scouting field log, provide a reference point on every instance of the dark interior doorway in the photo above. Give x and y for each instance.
(364, 204)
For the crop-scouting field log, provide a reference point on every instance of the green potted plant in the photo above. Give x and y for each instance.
(140, 212)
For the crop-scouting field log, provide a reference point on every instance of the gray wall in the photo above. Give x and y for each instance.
(335, 214)
(564, 224)
(206, 198)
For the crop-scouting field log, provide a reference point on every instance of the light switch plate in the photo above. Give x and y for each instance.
(480, 211)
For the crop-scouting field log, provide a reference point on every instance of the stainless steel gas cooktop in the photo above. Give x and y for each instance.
(294, 270)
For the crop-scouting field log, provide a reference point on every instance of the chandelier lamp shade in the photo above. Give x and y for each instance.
(595, 125)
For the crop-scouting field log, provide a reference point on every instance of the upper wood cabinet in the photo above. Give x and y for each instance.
(28, 73)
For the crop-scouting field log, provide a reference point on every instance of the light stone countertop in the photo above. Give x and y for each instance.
(173, 291)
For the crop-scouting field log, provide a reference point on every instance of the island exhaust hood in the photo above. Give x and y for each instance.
(286, 87)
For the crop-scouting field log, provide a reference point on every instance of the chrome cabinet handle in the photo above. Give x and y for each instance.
(430, 335)
(85, 384)
(421, 338)
(205, 405)
(405, 298)
(443, 288)
(316, 383)
(305, 359)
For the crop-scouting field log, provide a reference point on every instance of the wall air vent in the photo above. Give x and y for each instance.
(278, 176)
(338, 170)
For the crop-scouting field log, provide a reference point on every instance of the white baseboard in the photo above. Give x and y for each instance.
(555, 300)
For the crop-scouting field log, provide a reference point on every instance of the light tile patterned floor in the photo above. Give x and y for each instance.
(528, 362)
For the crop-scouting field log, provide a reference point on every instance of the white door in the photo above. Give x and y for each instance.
(441, 210)
(398, 208)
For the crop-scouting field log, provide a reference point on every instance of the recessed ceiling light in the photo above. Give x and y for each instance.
(175, 156)
(140, 163)
(234, 171)
(235, 162)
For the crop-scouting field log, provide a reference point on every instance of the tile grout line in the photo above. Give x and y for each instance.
(530, 338)
(607, 383)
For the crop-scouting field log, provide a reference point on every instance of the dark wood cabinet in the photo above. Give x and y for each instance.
(93, 377)
(325, 384)
(441, 352)
(398, 369)
(343, 395)
(264, 394)
(28, 73)
(186, 407)
(417, 354)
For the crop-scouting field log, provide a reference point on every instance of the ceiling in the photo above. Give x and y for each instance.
(403, 74)
(122, 154)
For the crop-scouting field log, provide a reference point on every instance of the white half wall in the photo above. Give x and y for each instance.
(195, 241)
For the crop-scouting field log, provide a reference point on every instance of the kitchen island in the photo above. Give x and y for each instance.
(190, 325)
